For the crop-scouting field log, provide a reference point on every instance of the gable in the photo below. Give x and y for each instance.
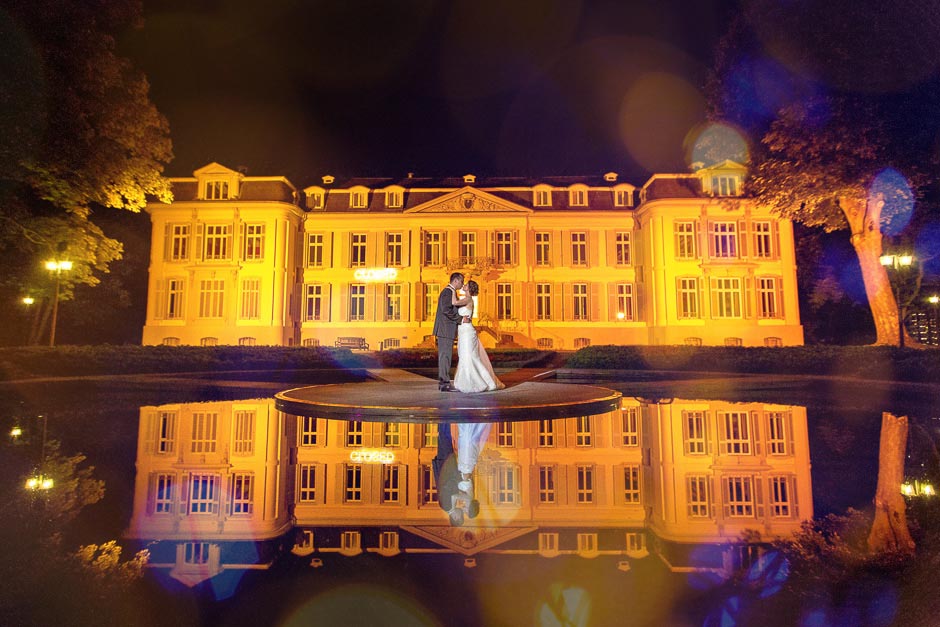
(468, 200)
(468, 540)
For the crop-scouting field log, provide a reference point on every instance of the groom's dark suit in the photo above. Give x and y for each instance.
(445, 330)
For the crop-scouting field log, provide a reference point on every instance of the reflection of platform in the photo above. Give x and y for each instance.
(421, 401)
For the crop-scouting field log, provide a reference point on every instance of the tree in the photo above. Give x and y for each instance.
(78, 132)
(889, 530)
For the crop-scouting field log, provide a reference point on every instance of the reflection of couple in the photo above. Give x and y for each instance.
(454, 319)
(453, 473)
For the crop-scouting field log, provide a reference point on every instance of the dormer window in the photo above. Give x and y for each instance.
(216, 190)
(315, 199)
(623, 196)
(611, 177)
(358, 198)
(393, 198)
(542, 196)
(469, 178)
(726, 185)
(578, 196)
(328, 179)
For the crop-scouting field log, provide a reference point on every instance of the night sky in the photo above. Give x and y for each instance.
(490, 87)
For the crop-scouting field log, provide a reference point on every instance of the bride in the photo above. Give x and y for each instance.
(474, 372)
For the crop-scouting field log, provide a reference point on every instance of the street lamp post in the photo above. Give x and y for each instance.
(56, 267)
(898, 263)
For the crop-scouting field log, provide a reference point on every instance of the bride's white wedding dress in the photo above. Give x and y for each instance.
(474, 371)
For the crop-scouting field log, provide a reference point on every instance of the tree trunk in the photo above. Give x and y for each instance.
(889, 532)
(864, 219)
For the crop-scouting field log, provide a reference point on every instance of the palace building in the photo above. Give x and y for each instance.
(562, 262)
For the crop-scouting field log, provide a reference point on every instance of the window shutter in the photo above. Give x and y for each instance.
(242, 242)
(725, 505)
(610, 238)
(748, 297)
(561, 484)
(775, 232)
(722, 433)
(571, 432)
(567, 302)
(558, 301)
(159, 300)
(339, 486)
(778, 287)
(167, 241)
(742, 238)
(595, 304)
(199, 253)
(515, 248)
(594, 253)
(327, 305)
(151, 492)
(530, 436)
(712, 507)
(150, 432)
(639, 301)
(794, 499)
(711, 238)
(406, 302)
(600, 485)
(759, 497)
(612, 302)
(561, 241)
(755, 418)
(709, 436)
(344, 302)
(345, 252)
(375, 300)
(531, 312)
(445, 253)
(602, 428)
(529, 257)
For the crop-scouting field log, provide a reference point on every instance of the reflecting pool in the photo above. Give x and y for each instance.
(663, 512)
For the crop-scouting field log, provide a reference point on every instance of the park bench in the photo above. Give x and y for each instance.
(351, 342)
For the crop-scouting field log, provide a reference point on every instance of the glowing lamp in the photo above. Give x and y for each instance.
(28, 300)
(16, 432)
(39, 482)
(933, 300)
(621, 315)
(886, 260)
(907, 489)
(905, 260)
(927, 489)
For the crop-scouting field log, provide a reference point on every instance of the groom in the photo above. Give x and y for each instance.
(445, 330)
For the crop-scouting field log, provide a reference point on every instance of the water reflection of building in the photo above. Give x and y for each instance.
(563, 262)
(687, 474)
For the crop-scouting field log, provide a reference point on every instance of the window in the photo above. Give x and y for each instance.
(164, 493)
(251, 299)
(430, 437)
(544, 343)
(507, 485)
(577, 197)
(178, 246)
(685, 240)
(587, 543)
(734, 341)
(393, 301)
(625, 302)
(724, 238)
(630, 421)
(205, 427)
(622, 248)
(505, 248)
(692, 341)
(622, 198)
(358, 199)
(218, 241)
(311, 341)
(353, 484)
(203, 494)
(543, 197)
(357, 257)
(767, 297)
(583, 429)
(468, 247)
(726, 297)
(696, 439)
(196, 553)
(246, 341)
(307, 431)
(171, 341)
(254, 242)
(546, 484)
(763, 240)
(314, 250)
(505, 434)
(433, 248)
(725, 185)
(165, 432)
(216, 190)
(579, 249)
(307, 484)
(636, 541)
(543, 248)
(353, 433)
(388, 541)
(209, 341)
(631, 484)
(778, 435)
(393, 249)
(431, 293)
(357, 301)
(504, 301)
(241, 498)
(244, 433)
(548, 542)
(392, 434)
(543, 301)
(780, 499)
(315, 200)
(174, 299)
(350, 541)
(698, 496)
(546, 433)
(428, 486)
(313, 303)
(773, 342)
(582, 342)
(391, 483)
(687, 297)
(580, 301)
(736, 428)
(585, 484)
(211, 298)
(393, 198)
(740, 492)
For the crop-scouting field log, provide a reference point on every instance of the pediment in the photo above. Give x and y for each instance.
(468, 540)
(468, 200)
(215, 168)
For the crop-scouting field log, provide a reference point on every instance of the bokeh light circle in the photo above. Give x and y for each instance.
(893, 188)
(715, 142)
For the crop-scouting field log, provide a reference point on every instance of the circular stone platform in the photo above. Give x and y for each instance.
(423, 402)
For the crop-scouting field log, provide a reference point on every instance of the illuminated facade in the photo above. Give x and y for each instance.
(562, 262)
(651, 477)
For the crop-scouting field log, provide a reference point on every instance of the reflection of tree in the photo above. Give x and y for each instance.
(889, 531)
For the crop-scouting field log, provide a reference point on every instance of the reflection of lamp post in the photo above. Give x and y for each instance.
(39, 481)
(935, 301)
(898, 263)
(57, 267)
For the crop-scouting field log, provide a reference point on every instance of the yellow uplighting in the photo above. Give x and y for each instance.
(371, 456)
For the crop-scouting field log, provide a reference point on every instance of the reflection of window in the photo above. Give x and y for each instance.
(587, 542)
(585, 484)
(244, 437)
(548, 542)
(505, 436)
(242, 488)
(777, 433)
(736, 428)
(583, 431)
(546, 484)
(353, 483)
(391, 483)
(166, 431)
(392, 434)
(631, 484)
(205, 425)
(307, 485)
(699, 497)
(164, 493)
(203, 494)
(430, 436)
(196, 553)
(388, 541)
(543, 249)
(507, 485)
(740, 499)
(353, 433)
(695, 437)
(350, 541)
(631, 426)
(546, 433)
(308, 434)
(428, 487)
